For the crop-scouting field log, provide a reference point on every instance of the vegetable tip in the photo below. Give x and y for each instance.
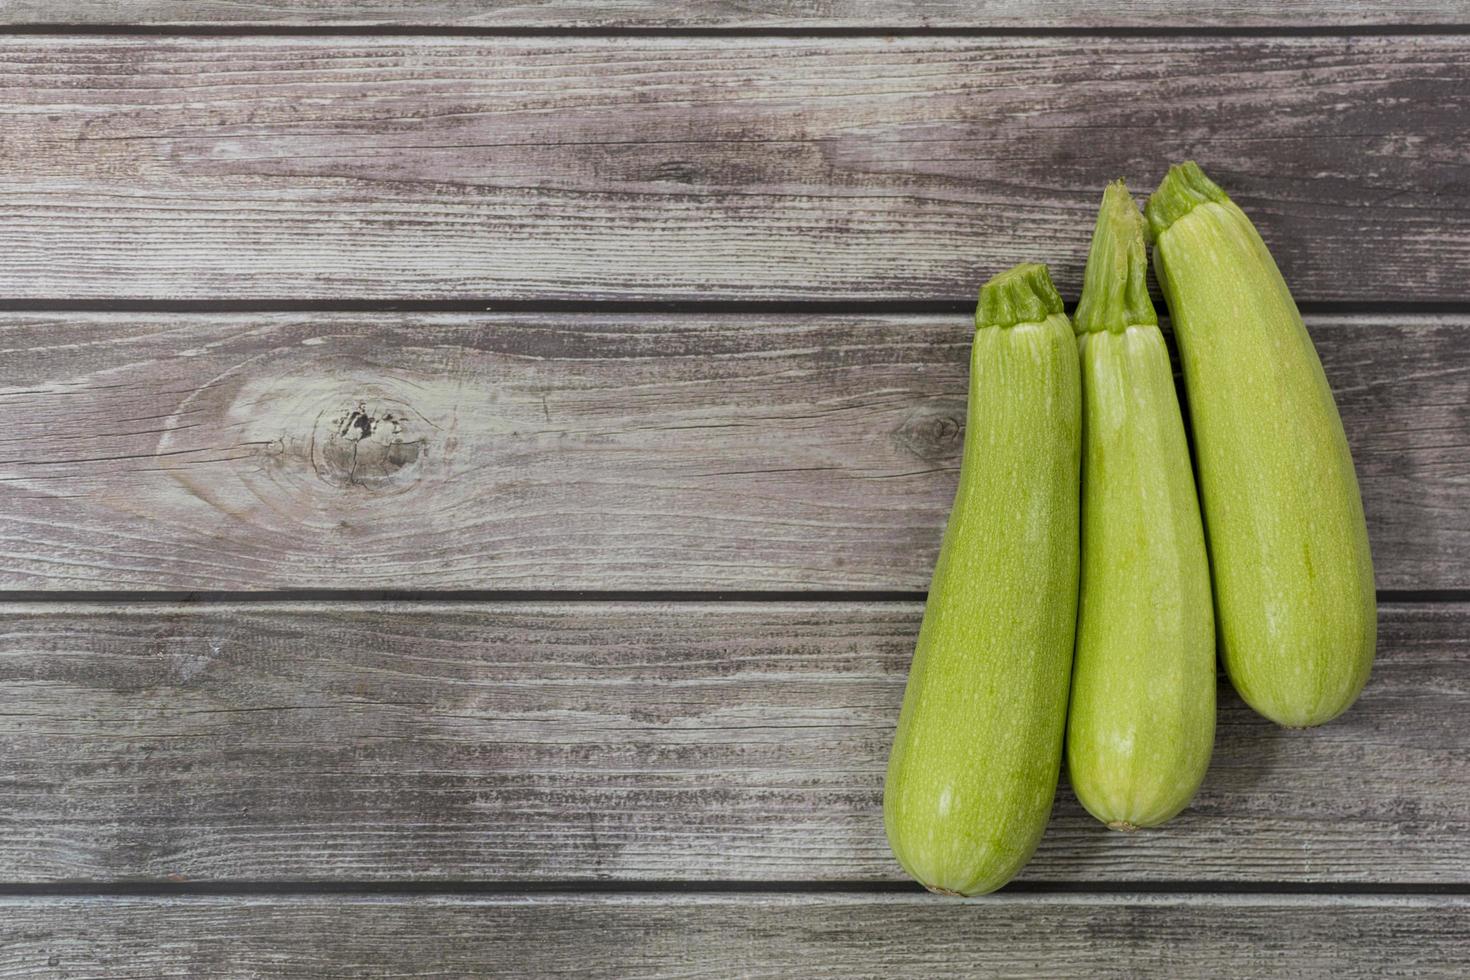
(1021, 294)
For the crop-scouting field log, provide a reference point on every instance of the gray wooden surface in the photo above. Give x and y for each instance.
(751, 169)
(616, 741)
(550, 451)
(1184, 937)
(897, 15)
(470, 471)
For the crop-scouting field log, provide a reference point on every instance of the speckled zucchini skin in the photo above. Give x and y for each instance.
(977, 756)
(1141, 724)
(1293, 577)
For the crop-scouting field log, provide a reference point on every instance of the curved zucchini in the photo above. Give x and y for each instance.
(1294, 600)
(977, 755)
(1141, 723)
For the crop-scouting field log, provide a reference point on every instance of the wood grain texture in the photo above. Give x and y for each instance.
(689, 741)
(735, 14)
(272, 451)
(707, 168)
(897, 15)
(697, 935)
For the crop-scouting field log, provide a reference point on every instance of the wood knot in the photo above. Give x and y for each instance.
(934, 432)
(676, 171)
(367, 447)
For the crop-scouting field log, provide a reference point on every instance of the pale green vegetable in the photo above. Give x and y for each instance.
(1293, 578)
(977, 755)
(1141, 722)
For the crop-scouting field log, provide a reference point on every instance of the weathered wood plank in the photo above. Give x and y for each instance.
(735, 14)
(579, 452)
(707, 168)
(715, 936)
(692, 741)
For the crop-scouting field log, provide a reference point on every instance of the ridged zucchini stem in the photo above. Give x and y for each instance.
(1115, 284)
(1183, 187)
(1021, 294)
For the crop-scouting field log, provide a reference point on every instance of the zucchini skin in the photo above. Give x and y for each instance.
(1141, 724)
(977, 755)
(1294, 596)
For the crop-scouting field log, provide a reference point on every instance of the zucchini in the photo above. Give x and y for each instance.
(1294, 599)
(1141, 722)
(977, 755)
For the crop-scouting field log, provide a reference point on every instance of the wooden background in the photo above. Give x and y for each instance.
(470, 471)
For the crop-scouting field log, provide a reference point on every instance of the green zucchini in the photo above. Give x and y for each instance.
(1141, 722)
(1293, 577)
(977, 756)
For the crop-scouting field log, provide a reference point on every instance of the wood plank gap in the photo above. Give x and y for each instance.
(883, 32)
(653, 596)
(43, 597)
(854, 307)
(284, 888)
